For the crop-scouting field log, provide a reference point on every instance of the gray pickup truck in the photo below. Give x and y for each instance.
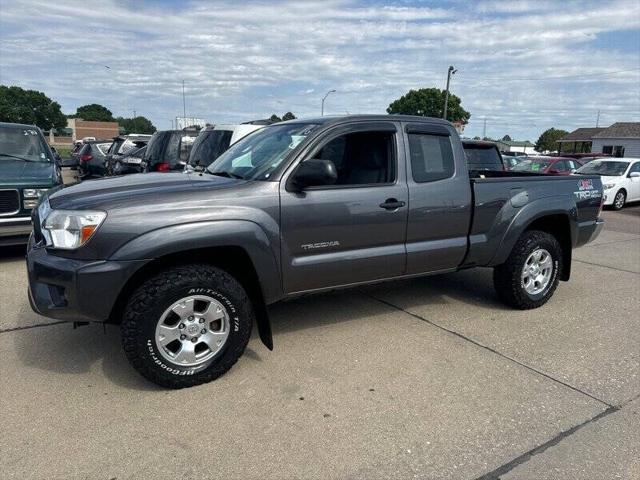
(186, 263)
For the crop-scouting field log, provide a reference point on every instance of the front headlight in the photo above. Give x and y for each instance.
(34, 192)
(70, 229)
(32, 197)
(608, 186)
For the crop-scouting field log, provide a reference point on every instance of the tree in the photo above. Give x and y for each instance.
(94, 112)
(288, 116)
(506, 138)
(429, 102)
(274, 118)
(18, 105)
(137, 124)
(548, 141)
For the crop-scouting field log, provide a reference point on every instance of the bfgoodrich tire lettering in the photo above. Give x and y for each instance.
(149, 302)
(509, 278)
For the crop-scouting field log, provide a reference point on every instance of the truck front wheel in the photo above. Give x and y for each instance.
(186, 325)
(531, 273)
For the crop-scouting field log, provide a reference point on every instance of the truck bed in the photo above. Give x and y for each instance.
(504, 200)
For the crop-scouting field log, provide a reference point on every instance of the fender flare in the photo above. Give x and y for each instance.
(529, 213)
(244, 234)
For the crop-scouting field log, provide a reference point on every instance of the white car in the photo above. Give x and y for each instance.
(620, 179)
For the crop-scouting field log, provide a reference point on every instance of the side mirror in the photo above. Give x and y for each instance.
(56, 156)
(634, 175)
(553, 171)
(314, 172)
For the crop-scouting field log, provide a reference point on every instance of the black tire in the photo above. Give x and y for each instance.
(618, 203)
(150, 300)
(507, 278)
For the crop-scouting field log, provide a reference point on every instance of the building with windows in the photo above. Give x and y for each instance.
(622, 139)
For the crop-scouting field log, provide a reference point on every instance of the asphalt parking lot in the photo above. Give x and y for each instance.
(429, 379)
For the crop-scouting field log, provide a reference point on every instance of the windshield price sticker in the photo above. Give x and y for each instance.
(295, 140)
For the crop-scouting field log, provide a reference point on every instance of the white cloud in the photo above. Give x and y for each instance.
(243, 60)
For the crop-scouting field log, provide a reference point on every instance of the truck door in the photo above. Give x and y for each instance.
(441, 204)
(352, 231)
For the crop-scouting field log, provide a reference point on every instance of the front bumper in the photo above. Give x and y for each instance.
(15, 230)
(75, 290)
(609, 196)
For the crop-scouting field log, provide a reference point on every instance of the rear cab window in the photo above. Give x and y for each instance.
(431, 156)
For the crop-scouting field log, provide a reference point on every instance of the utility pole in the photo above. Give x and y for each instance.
(323, 99)
(598, 119)
(484, 129)
(450, 72)
(184, 105)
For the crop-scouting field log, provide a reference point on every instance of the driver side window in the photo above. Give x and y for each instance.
(361, 158)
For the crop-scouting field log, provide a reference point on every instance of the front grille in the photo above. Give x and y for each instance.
(9, 202)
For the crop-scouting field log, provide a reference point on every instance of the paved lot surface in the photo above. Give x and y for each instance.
(428, 379)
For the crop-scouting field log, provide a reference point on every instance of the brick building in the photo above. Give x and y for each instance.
(83, 128)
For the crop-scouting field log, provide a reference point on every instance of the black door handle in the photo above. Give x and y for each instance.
(391, 204)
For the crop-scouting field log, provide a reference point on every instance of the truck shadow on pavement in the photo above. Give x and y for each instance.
(468, 290)
(90, 352)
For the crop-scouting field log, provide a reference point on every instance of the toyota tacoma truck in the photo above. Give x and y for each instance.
(186, 264)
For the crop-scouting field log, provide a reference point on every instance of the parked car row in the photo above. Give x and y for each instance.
(164, 151)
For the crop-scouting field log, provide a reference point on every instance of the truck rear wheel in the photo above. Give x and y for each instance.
(187, 325)
(531, 273)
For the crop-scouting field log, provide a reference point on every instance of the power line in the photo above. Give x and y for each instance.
(550, 77)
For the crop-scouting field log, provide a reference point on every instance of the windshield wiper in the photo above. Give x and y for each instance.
(226, 174)
(17, 157)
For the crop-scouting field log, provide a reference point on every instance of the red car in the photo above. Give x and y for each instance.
(550, 165)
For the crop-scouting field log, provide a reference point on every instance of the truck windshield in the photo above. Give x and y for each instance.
(604, 167)
(208, 146)
(24, 144)
(256, 156)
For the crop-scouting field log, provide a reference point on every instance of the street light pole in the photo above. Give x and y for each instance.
(184, 104)
(323, 99)
(450, 72)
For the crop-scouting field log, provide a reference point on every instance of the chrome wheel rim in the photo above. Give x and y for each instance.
(192, 330)
(537, 270)
(619, 200)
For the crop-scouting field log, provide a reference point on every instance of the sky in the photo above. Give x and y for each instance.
(522, 66)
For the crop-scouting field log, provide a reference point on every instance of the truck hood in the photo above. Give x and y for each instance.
(20, 173)
(131, 190)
